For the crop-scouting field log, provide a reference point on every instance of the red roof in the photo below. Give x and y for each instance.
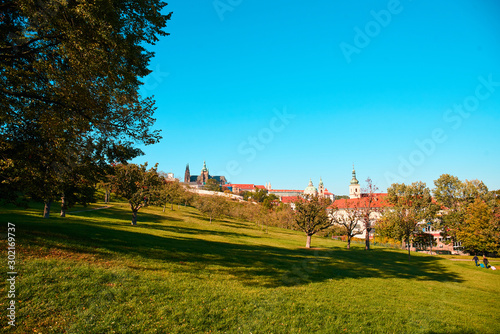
(245, 186)
(285, 191)
(378, 202)
(242, 186)
(289, 199)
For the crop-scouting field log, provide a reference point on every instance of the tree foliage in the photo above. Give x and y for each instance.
(454, 196)
(170, 192)
(410, 205)
(212, 206)
(69, 85)
(480, 230)
(137, 184)
(212, 185)
(311, 216)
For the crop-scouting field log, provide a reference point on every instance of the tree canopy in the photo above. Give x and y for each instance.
(70, 75)
(212, 206)
(410, 205)
(138, 185)
(480, 230)
(455, 196)
(311, 216)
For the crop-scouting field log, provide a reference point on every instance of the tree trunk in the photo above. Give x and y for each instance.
(348, 243)
(134, 218)
(367, 239)
(63, 206)
(46, 208)
(171, 206)
(106, 196)
(164, 208)
(308, 242)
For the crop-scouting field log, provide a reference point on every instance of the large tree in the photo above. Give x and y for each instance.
(410, 205)
(454, 196)
(480, 230)
(311, 216)
(70, 73)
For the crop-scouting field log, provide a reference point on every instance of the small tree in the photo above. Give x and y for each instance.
(212, 206)
(411, 204)
(171, 192)
(310, 216)
(212, 185)
(349, 218)
(136, 184)
(369, 209)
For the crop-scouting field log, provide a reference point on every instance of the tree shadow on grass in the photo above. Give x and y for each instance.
(195, 231)
(252, 264)
(117, 216)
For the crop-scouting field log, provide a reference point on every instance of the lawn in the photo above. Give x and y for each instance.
(92, 272)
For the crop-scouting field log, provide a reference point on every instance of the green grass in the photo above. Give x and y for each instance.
(92, 272)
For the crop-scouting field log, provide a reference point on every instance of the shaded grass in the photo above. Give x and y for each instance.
(92, 272)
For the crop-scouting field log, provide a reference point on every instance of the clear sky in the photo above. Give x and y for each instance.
(283, 91)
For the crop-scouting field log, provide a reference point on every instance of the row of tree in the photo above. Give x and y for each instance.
(464, 211)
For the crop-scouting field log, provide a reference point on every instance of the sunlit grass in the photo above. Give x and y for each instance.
(92, 272)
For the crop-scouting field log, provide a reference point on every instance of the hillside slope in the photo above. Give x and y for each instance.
(92, 272)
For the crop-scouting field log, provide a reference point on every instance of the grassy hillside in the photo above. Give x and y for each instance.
(92, 272)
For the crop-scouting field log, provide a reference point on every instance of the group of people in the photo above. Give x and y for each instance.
(485, 261)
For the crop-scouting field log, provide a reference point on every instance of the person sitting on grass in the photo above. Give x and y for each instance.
(486, 262)
(476, 259)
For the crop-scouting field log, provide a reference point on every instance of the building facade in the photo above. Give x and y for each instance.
(203, 177)
(378, 204)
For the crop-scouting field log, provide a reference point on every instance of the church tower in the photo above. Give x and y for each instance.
(354, 187)
(204, 173)
(321, 188)
(187, 175)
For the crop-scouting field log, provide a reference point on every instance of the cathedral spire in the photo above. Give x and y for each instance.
(187, 174)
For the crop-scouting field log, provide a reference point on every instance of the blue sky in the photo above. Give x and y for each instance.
(284, 91)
